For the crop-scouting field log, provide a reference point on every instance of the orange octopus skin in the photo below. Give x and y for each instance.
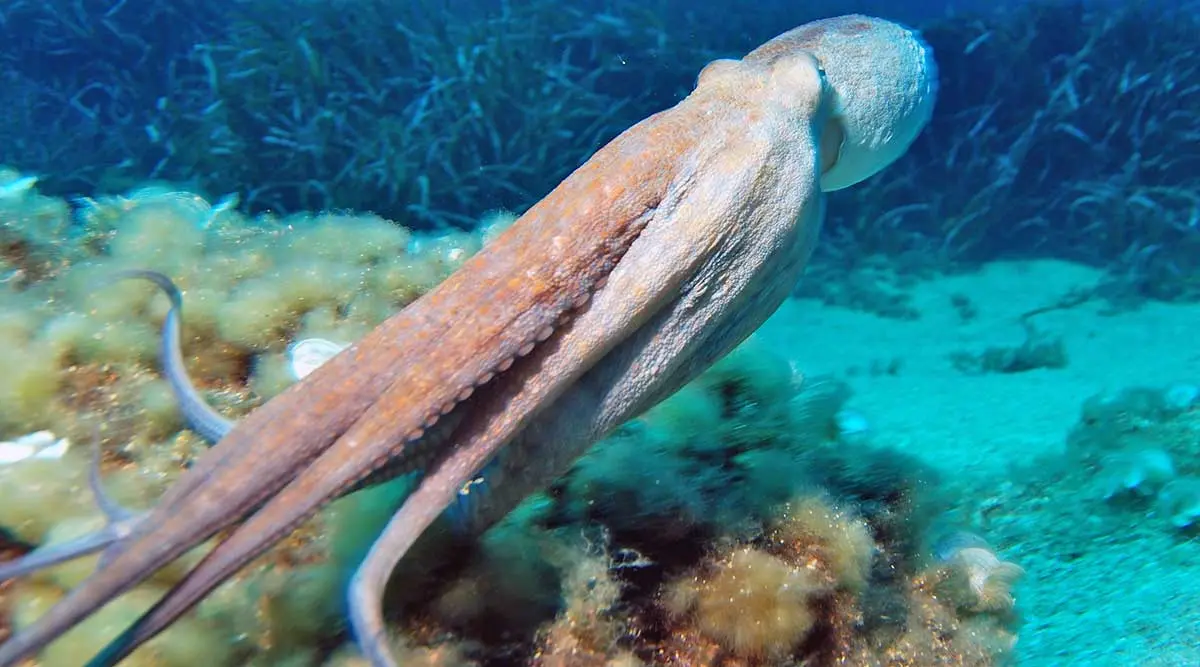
(647, 264)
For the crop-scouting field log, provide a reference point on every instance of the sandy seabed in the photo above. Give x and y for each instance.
(1132, 598)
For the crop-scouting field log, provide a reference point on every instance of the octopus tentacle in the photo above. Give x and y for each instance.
(404, 375)
(655, 257)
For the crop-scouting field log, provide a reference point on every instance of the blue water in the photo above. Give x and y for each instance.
(1006, 315)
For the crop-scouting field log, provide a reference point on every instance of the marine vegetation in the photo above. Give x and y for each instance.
(640, 270)
(765, 531)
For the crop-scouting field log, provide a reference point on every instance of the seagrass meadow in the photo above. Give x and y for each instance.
(970, 437)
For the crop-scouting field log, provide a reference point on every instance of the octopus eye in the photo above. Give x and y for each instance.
(833, 138)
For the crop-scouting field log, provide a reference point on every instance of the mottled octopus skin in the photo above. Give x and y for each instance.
(648, 263)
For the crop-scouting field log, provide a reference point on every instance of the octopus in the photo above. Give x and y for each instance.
(651, 261)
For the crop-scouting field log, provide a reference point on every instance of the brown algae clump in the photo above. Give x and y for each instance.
(751, 603)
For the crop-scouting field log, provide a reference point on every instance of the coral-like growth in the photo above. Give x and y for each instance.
(1138, 473)
(445, 654)
(1179, 502)
(750, 602)
(805, 593)
(588, 630)
(1137, 447)
(508, 586)
(809, 530)
(937, 633)
(974, 578)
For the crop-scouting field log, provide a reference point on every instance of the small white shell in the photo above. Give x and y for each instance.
(37, 445)
(306, 355)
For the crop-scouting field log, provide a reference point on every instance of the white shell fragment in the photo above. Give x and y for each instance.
(38, 445)
(304, 356)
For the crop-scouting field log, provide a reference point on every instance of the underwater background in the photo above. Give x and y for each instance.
(971, 438)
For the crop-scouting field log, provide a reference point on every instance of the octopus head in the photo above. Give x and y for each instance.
(884, 83)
